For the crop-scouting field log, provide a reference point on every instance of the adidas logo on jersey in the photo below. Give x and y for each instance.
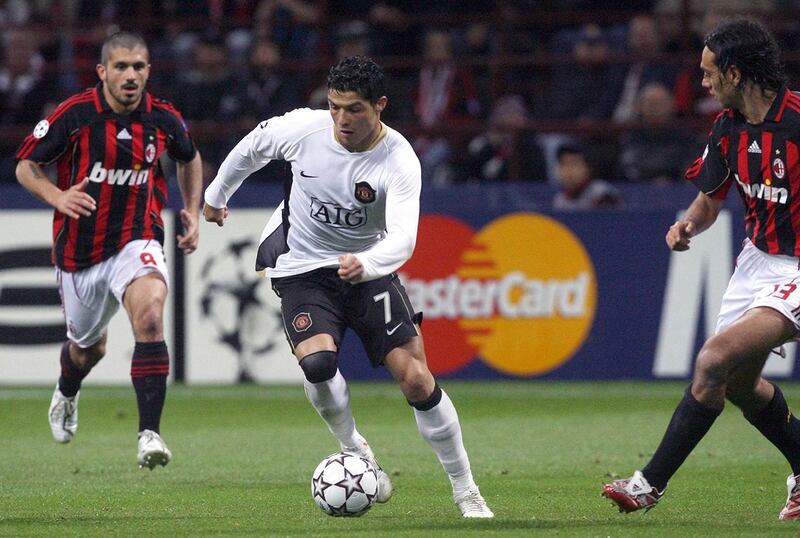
(115, 176)
(753, 148)
(123, 135)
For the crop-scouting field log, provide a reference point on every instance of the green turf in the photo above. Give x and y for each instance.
(243, 457)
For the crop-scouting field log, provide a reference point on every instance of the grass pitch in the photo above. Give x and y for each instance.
(243, 457)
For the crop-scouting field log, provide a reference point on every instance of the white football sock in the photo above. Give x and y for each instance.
(439, 426)
(331, 399)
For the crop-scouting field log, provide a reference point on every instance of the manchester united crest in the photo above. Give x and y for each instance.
(301, 322)
(364, 192)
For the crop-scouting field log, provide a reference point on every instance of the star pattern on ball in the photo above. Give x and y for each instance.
(341, 511)
(338, 458)
(319, 486)
(351, 483)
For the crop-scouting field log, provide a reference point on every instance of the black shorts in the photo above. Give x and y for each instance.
(319, 302)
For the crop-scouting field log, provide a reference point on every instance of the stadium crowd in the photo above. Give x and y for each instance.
(488, 91)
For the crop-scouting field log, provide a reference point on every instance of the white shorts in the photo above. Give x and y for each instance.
(761, 279)
(91, 297)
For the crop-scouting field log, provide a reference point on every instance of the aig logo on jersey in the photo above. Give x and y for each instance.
(334, 215)
(364, 192)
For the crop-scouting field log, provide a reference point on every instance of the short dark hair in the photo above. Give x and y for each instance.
(570, 148)
(748, 45)
(358, 74)
(122, 39)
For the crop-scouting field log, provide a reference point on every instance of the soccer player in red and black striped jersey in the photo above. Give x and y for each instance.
(107, 143)
(754, 146)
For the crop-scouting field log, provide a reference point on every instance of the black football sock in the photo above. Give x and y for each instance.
(779, 425)
(689, 424)
(149, 371)
(69, 383)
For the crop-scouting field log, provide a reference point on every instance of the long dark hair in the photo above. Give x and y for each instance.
(748, 45)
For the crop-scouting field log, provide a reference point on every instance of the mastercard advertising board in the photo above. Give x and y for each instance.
(520, 293)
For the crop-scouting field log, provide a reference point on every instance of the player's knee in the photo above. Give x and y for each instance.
(319, 366)
(90, 356)
(417, 381)
(148, 324)
(711, 368)
(429, 401)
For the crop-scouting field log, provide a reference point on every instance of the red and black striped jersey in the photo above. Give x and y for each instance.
(120, 156)
(763, 161)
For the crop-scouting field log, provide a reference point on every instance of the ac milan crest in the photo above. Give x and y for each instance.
(364, 192)
(301, 322)
(778, 168)
(150, 153)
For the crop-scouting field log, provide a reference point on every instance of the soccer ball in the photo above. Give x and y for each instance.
(344, 485)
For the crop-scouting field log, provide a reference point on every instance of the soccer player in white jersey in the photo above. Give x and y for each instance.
(348, 222)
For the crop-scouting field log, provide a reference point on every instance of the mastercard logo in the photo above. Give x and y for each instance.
(520, 293)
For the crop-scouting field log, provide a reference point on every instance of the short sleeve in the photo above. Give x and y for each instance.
(710, 172)
(180, 146)
(48, 140)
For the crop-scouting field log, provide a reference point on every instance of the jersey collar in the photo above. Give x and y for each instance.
(100, 103)
(775, 112)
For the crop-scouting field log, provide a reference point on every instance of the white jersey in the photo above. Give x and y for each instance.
(364, 203)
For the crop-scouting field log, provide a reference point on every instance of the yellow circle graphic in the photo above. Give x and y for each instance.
(529, 294)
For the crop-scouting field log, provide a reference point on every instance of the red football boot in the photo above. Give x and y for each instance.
(634, 493)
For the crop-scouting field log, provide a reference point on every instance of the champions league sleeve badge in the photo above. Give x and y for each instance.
(364, 192)
(41, 129)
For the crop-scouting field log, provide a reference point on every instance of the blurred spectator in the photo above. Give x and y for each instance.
(578, 189)
(217, 12)
(645, 46)
(23, 90)
(266, 91)
(352, 39)
(203, 91)
(690, 96)
(444, 92)
(507, 151)
(14, 13)
(291, 24)
(587, 89)
(392, 28)
(477, 41)
(656, 152)
(390, 31)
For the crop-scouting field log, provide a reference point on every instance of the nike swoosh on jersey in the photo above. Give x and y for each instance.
(303, 174)
(391, 332)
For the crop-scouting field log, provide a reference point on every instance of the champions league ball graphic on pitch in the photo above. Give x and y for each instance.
(344, 485)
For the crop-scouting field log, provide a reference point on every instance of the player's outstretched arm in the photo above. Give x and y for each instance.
(190, 181)
(698, 218)
(73, 202)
